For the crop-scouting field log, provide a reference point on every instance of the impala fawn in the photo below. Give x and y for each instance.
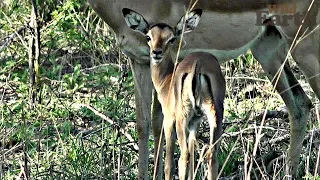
(196, 89)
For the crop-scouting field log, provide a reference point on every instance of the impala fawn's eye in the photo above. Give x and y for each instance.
(172, 40)
(148, 38)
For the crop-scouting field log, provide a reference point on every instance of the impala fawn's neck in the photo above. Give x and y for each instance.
(162, 75)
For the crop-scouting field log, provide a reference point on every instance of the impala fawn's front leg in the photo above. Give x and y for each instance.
(168, 125)
(157, 120)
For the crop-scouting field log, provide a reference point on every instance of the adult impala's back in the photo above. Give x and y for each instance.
(195, 89)
(227, 29)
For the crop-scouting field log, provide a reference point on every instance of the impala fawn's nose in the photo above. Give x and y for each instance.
(157, 52)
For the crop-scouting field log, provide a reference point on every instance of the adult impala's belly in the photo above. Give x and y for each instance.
(224, 35)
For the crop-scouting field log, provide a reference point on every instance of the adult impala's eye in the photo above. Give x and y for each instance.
(172, 40)
(148, 38)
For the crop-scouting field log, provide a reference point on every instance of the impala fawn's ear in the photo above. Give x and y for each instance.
(135, 21)
(191, 21)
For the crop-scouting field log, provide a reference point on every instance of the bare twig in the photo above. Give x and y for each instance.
(317, 163)
(22, 174)
(303, 37)
(246, 78)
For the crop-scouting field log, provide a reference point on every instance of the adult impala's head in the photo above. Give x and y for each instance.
(160, 36)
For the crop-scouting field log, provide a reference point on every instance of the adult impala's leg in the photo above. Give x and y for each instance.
(307, 52)
(157, 119)
(143, 96)
(307, 56)
(270, 50)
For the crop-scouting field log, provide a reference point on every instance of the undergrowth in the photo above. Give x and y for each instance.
(83, 124)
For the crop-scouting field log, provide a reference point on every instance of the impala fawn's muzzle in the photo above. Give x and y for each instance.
(157, 54)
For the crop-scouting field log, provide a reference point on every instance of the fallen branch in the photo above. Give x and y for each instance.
(279, 139)
(110, 121)
(286, 137)
(248, 130)
(11, 37)
(100, 66)
(270, 114)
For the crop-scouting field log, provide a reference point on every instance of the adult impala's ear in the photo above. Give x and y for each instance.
(191, 21)
(135, 21)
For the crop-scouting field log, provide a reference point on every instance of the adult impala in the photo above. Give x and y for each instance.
(227, 29)
(195, 89)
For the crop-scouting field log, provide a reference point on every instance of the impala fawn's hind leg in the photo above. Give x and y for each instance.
(271, 51)
(214, 116)
(213, 93)
(182, 130)
(193, 129)
(168, 125)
